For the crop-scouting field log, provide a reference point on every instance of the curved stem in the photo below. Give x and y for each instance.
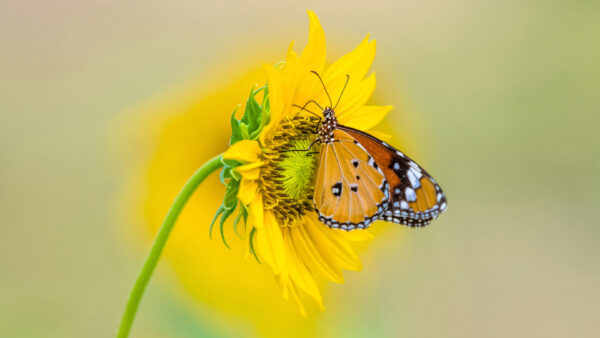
(159, 243)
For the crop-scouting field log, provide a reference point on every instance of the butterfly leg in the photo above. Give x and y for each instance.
(318, 125)
(307, 149)
(312, 144)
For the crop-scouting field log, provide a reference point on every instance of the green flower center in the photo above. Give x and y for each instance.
(298, 169)
(289, 174)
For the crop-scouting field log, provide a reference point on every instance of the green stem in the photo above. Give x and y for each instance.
(159, 243)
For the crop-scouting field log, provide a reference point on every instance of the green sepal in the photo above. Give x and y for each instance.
(252, 233)
(224, 217)
(253, 116)
(265, 109)
(230, 200)
(225, 174)
(237, 220)
(236, 130)
(219, 212)
(256, 116)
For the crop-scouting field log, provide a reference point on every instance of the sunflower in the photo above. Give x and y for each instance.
(269, 180)
(274, 182)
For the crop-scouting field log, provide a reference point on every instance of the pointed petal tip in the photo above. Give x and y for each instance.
(313, 19)
(369, 44)
(313, 54)
(290, 52)
(368, 40)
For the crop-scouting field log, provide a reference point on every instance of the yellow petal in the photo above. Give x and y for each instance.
(356, 96)
(293, 74)
(294, 293)
(334, 245)
(243, 151)
(250, 171)
(300, 274)
(293, 84)
(256, 212)
(302, 85)
(255, 217)
(366, 117)
(290, 51)
(313, 256)
(290, 68)
(313, 54)
(269, 243)
(309, 88)
(247, 191)
(277, 99)
(356, 64)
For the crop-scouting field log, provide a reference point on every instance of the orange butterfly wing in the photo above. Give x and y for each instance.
(415, 197)
(351, 191)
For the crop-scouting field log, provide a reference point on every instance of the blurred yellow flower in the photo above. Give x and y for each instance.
(173, 135)
(276, 185)
(177, 133)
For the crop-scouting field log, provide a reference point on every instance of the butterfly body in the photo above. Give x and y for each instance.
(362, 179)
(328, 125)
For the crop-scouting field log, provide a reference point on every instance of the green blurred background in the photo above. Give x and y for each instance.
(506, 115)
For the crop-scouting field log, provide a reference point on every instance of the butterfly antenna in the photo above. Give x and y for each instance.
(326, 92)
(342, 93)
(306, 110)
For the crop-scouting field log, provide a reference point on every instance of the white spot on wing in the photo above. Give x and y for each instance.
(410, 194)
(417, 172)
(414, 181)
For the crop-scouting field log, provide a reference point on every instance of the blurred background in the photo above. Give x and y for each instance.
(499, 100)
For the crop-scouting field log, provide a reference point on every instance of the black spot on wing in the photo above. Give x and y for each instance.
(399, 167)
(372, 163)
(336, 189)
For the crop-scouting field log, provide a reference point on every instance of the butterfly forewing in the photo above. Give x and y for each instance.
(414, 196)
(351, 191)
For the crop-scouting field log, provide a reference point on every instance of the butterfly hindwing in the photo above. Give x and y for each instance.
(351, 191)
(414, 196)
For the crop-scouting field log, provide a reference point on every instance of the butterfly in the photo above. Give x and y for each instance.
(361, 179)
